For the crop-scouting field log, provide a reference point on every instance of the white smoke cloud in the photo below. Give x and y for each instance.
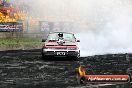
(109, 22)
(113, 35)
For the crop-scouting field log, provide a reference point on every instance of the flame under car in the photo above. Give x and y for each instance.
(60, 44)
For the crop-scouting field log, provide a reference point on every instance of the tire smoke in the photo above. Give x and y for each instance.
(108, 23)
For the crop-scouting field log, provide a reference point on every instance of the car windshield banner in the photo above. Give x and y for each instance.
(11, 27)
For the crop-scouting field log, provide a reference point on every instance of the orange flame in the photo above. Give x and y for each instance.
(81, 71)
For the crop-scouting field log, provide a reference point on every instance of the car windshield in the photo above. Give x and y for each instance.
(66, 37)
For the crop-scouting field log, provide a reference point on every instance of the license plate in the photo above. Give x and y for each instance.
(60, 53)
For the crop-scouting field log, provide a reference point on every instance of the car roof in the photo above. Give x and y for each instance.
(61, 32)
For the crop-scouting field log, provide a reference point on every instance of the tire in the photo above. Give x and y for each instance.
(74, 58)
(44, 57)
(42, 53)
(78, 56)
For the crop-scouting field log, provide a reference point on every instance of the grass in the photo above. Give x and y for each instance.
(20, 41)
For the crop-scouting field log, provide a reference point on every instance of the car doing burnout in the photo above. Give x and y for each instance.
(60, 44)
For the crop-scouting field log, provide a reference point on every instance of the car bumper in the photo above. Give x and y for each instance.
(61, 52)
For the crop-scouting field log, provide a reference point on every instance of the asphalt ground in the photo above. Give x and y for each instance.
(26, 69)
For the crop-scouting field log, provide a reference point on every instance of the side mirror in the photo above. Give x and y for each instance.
(43, 40)
(78, 40)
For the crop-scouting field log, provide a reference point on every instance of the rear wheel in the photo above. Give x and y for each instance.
(77, 58)
(74, 58)
(43, 56)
